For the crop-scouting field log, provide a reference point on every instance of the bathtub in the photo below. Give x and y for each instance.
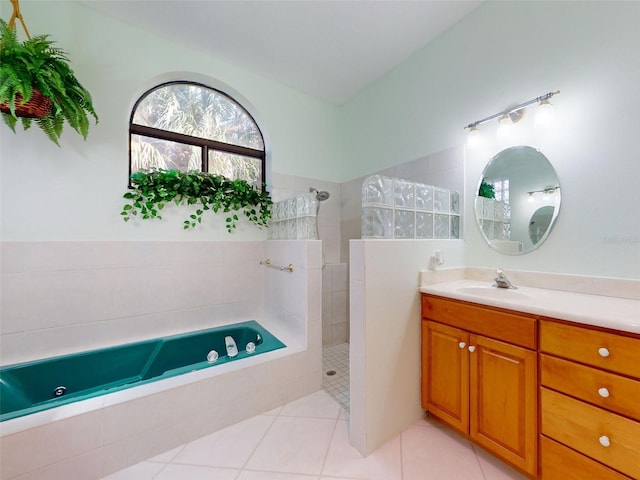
(35, 386)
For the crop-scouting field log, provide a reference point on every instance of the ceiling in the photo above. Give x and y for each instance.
(328, 49)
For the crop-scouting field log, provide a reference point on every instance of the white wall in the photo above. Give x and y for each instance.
(502, 54)
(385, 334)
(75, 192)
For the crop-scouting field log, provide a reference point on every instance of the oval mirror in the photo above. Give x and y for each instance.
(517, 200)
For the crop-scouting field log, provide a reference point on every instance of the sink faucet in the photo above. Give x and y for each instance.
(502, 281)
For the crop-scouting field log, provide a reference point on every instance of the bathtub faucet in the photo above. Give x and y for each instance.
(232, 348)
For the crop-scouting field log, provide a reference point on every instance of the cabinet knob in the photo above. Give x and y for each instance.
(462, 344)
(603, 392)
(603, 352)
(604, 441)
(472, 348)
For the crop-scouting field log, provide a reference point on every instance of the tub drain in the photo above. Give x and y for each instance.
(59, 391)
(331, 373)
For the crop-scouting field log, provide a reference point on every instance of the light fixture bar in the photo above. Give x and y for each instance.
(546, 190)
(539, 99)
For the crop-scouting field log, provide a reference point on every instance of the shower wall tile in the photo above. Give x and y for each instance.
(335, 312)
(326, 309)
(339, 277)
(339, 307)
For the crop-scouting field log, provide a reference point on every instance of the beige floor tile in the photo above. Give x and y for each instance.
(139, 471)
(193, 472)
(344, 461)
(251, 475)
(293, 445)
(495, 469)
(166, 457)
(316, 405)
(438, 454)
(230, 447)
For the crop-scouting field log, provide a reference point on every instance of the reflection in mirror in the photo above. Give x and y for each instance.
(540, 222)
(518, 199)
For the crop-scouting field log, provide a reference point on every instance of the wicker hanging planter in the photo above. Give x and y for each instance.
(38, 84)
(38, 106)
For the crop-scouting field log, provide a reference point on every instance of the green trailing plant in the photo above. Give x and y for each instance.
(152, 190)
(36, 64)
(486, 190)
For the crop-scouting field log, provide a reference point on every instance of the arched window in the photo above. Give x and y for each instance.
(188, 126)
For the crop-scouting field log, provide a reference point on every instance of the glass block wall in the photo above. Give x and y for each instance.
(494, 218)
(294, 218)
(396, 208)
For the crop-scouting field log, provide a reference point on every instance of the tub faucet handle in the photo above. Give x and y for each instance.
(232, 348)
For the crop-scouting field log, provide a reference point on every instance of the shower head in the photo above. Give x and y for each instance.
(321, 195)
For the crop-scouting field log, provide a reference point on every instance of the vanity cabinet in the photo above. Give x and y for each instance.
(590, 403)
(479, 375)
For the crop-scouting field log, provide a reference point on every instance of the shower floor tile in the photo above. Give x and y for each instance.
(335, 367)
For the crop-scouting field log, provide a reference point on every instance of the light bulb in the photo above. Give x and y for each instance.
(473, 138)
(544, 113)
(505, 126)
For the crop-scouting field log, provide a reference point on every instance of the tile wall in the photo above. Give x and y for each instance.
(340, 220)
(64, 297)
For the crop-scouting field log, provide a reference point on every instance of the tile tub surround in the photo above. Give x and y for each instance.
(604, 302)
(308, 440)
(94, 438)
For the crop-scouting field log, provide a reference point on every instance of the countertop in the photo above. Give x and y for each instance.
(598, 310)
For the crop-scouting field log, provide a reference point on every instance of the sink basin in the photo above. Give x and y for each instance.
(494, 292)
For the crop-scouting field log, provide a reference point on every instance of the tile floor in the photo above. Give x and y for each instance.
(336, 359)
(308, 440)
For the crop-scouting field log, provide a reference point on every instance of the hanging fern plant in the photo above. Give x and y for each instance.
(205, 191)
(36, 69)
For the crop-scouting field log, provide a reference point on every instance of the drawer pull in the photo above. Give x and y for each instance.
(604, 441)
(462, 344)
(472, 348)
(603, 352)
(603, 392)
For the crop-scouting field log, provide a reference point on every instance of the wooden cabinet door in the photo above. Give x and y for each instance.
(503, 401)
(445, 374)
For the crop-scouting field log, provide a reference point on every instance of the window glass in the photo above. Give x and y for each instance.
(148, 153)
(234, 166)
(187, 126)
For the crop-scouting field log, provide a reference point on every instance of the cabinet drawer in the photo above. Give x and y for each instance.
(560, 463)
(494, 323)
(583, 427)
(609, 351)
(608, 390)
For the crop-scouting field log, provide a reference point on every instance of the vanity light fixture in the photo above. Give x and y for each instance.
(473, 138)
(505, 126)
(513, 115)
(545, 191)
(544, 112)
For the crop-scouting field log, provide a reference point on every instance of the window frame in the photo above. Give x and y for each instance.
(205, 144)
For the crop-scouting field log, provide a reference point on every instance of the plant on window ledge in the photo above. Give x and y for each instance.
(154, 189)
(486, 190)
(37, 84)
